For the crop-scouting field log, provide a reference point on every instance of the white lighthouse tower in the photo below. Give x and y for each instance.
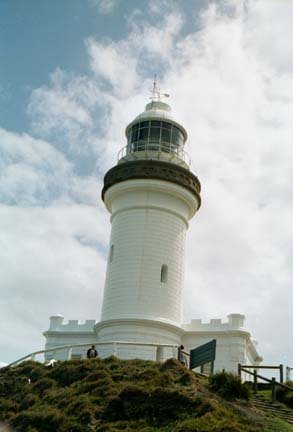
(151, 195)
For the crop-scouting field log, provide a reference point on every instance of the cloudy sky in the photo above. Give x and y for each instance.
(73, 73)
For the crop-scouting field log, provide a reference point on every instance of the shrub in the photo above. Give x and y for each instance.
(81, 408)
(285, 395)
(130, 404)
(167, 405)
(31, 369)
(43, 384)
(44, 418)
(28, 401)
(73, 370)
(229, 386)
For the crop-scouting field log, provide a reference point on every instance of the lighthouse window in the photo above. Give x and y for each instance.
(166, 125)
(166, 136)
(164, 273)
(111, 253)
(155, 135)
(143, 134)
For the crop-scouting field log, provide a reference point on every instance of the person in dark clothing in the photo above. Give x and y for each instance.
(181, 355)
(92, 352)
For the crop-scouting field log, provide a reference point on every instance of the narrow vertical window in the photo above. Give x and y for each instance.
(164, 273)
(111, 253)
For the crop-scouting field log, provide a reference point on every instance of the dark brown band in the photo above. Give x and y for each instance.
(144, 169)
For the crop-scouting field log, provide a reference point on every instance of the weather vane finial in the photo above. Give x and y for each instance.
(155, 92)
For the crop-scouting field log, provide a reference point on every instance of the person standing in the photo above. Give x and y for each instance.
(92, 352)
(181, 355)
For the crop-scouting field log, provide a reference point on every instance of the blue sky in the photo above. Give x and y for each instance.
(73, 74)
(54, 33)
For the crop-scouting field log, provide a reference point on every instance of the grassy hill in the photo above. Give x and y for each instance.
(118, 395)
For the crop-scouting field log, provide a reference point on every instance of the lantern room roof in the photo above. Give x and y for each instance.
(157, 110)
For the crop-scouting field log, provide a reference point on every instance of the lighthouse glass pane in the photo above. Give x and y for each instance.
(143, 134)
(166, 136)
(155, 134)
(166, 125)
(156, 123)
(134, 135)
(177, 136)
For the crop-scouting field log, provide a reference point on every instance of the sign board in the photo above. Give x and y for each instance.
(203, 354)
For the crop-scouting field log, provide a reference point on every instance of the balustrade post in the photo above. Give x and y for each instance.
(33, 357)
(160, 353)
(69, 353)
(115, 349)
(273, 390)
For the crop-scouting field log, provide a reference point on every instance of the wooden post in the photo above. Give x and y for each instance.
(254, 381)
(287, 373)
(281, 373)
(239, 370)
(273, 390)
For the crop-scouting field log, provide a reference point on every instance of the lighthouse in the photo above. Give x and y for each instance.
(151, 195)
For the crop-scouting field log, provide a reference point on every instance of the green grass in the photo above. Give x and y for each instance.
(117, 395)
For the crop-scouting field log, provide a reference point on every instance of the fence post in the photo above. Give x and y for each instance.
(115, 349)
(33, 357)
(239, 370)
(254, 381)
(281, 374)
(287, 373)
(273, 390)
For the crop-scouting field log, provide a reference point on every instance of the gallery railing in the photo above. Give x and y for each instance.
(151, 150)
(115, 346)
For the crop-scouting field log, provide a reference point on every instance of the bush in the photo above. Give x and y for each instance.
(44, 418)
(229, 386)
(284, 395)
(43, 384)
(73, 370)
(158, 406)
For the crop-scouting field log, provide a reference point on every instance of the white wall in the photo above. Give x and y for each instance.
(149, 222)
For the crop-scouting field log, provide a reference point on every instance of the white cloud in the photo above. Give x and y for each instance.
(52, 260)
(32, 171)
(105, 6)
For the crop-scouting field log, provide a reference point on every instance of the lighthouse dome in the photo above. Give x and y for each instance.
(155, 134)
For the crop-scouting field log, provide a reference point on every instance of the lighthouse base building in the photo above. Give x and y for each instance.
(234, 342)
(151, 195)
